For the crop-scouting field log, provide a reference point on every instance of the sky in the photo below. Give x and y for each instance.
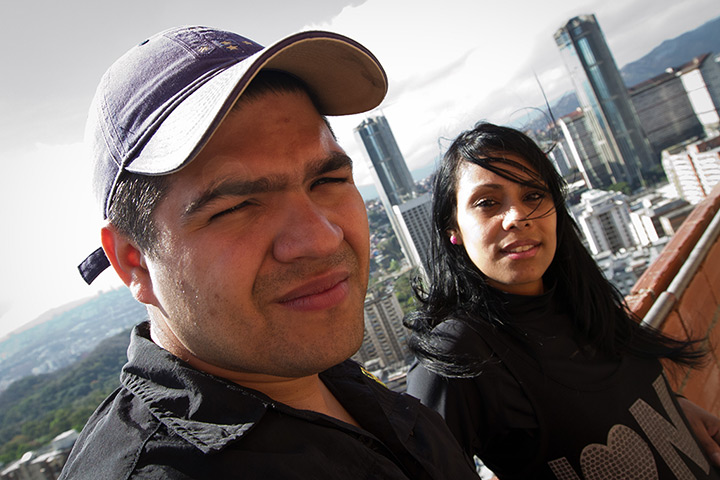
(449, 64)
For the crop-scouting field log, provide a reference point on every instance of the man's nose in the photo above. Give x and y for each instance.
(307, 231)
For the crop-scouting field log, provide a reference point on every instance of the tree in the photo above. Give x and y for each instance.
(404, 292)
(35, 409)
(621, 187)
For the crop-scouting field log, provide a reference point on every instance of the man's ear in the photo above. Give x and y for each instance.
(129, 263)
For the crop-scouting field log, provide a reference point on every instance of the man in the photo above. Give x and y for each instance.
(232, 215)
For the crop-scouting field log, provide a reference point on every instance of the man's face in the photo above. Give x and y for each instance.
(263, 261)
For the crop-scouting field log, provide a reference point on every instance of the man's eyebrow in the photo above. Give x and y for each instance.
(336, 161)
(233, 188)
(272, 183)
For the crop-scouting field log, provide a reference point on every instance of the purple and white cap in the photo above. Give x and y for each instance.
(158, 105)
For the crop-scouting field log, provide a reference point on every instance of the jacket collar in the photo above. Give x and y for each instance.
(207, 411)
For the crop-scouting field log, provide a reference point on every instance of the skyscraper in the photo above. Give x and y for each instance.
(665, 111)
(396, 188)
(388, 167)
(415, 218)
(624, 151)
(678, 105)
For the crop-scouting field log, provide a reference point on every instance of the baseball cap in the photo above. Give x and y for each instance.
(160, 103)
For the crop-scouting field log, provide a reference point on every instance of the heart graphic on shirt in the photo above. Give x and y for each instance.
(626, 456)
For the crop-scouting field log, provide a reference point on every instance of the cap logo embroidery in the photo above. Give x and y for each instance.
(230, 45)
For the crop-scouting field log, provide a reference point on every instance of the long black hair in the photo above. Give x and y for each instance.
(455, 288)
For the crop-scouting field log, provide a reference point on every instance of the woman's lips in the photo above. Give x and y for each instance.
(520, 250)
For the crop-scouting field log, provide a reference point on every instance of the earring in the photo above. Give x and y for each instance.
(453, 239)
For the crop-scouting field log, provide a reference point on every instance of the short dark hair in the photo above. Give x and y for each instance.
(137, 196)
(133, 204)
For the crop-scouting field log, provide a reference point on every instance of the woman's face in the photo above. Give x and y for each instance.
(507, 229)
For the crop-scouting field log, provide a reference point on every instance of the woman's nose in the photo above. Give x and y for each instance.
(516, 216)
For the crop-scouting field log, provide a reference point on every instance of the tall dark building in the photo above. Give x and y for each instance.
(389, 170)
(665, 111)
(409, 214)
(680, 104)
(624, 153)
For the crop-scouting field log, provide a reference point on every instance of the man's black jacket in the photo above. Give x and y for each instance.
(168, 420)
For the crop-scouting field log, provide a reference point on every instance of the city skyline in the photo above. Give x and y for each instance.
(444, 74)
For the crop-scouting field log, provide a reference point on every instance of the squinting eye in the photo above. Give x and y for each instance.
(235, 208)
(326, 180)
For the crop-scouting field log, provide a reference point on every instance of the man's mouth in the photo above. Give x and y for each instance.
(319, 294)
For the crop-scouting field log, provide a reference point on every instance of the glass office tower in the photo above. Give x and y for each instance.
(625, 154)
(388, 167)
(396, 188)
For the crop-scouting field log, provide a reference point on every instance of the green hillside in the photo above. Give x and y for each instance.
(35, 409)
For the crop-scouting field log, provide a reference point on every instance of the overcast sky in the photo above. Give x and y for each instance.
(449, 66)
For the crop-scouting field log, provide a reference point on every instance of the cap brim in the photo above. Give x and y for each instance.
(343, 75)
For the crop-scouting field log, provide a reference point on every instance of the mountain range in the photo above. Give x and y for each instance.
(673, 53)
(68, 335)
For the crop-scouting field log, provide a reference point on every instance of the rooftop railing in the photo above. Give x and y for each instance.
(680, 294)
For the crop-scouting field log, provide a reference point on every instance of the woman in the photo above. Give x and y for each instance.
(524, 347)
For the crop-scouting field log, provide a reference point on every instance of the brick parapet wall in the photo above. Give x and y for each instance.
(696, 312)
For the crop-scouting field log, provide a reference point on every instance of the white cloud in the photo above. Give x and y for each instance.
(48, 232)
(452, 65)
(449, 64)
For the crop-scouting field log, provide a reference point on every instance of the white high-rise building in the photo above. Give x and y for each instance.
(385, 341)
(604, 218)
(702, 84)
(588, 160)
(396, 188)
(415, 218)
(650, 216)
(694, 169)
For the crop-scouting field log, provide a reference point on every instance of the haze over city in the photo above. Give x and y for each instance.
(448, 65)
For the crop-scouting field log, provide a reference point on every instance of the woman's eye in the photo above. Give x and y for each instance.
(536, 196)
(486, 203)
